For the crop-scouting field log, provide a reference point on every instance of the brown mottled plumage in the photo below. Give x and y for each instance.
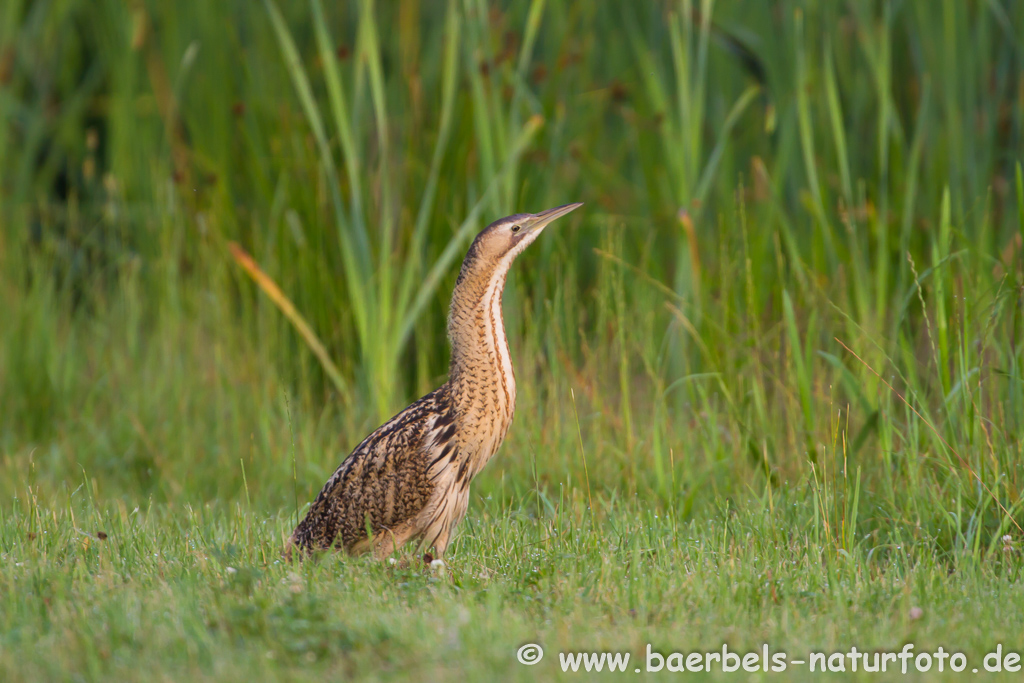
(409, 480)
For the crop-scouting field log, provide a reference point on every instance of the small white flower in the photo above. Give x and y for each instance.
(392, 560)
(232, 570)
(437, 565)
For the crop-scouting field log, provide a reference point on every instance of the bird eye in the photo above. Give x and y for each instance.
(516, 228)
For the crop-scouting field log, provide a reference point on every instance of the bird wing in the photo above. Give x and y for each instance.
(384, 482)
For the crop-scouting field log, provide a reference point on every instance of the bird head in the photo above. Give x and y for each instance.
(504, 239)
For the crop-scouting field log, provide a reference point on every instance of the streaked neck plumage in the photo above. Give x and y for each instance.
(481, 382)
(480, 377)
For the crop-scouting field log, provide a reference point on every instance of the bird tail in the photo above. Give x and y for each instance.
(316, 531)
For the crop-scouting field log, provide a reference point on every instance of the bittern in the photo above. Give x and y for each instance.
(409, 480)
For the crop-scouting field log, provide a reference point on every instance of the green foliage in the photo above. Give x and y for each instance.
(116, 593)
(792, 303)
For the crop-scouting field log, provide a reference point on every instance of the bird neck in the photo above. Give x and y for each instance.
(481, 378)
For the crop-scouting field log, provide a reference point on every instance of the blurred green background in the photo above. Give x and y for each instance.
(765, 183)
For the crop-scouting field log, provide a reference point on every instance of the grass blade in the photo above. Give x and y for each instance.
(286, 307)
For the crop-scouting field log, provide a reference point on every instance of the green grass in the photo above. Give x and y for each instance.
(770, 383)
(200, 593)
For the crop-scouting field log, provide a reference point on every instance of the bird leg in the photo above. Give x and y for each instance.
(388, 541)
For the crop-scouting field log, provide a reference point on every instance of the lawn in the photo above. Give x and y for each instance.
(770, 385)
(179, 592)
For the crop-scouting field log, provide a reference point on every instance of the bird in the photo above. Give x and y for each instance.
(409, 480)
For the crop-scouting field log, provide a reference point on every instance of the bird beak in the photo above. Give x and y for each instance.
(538, 220)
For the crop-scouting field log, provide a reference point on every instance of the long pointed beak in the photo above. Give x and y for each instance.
(539, 220)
